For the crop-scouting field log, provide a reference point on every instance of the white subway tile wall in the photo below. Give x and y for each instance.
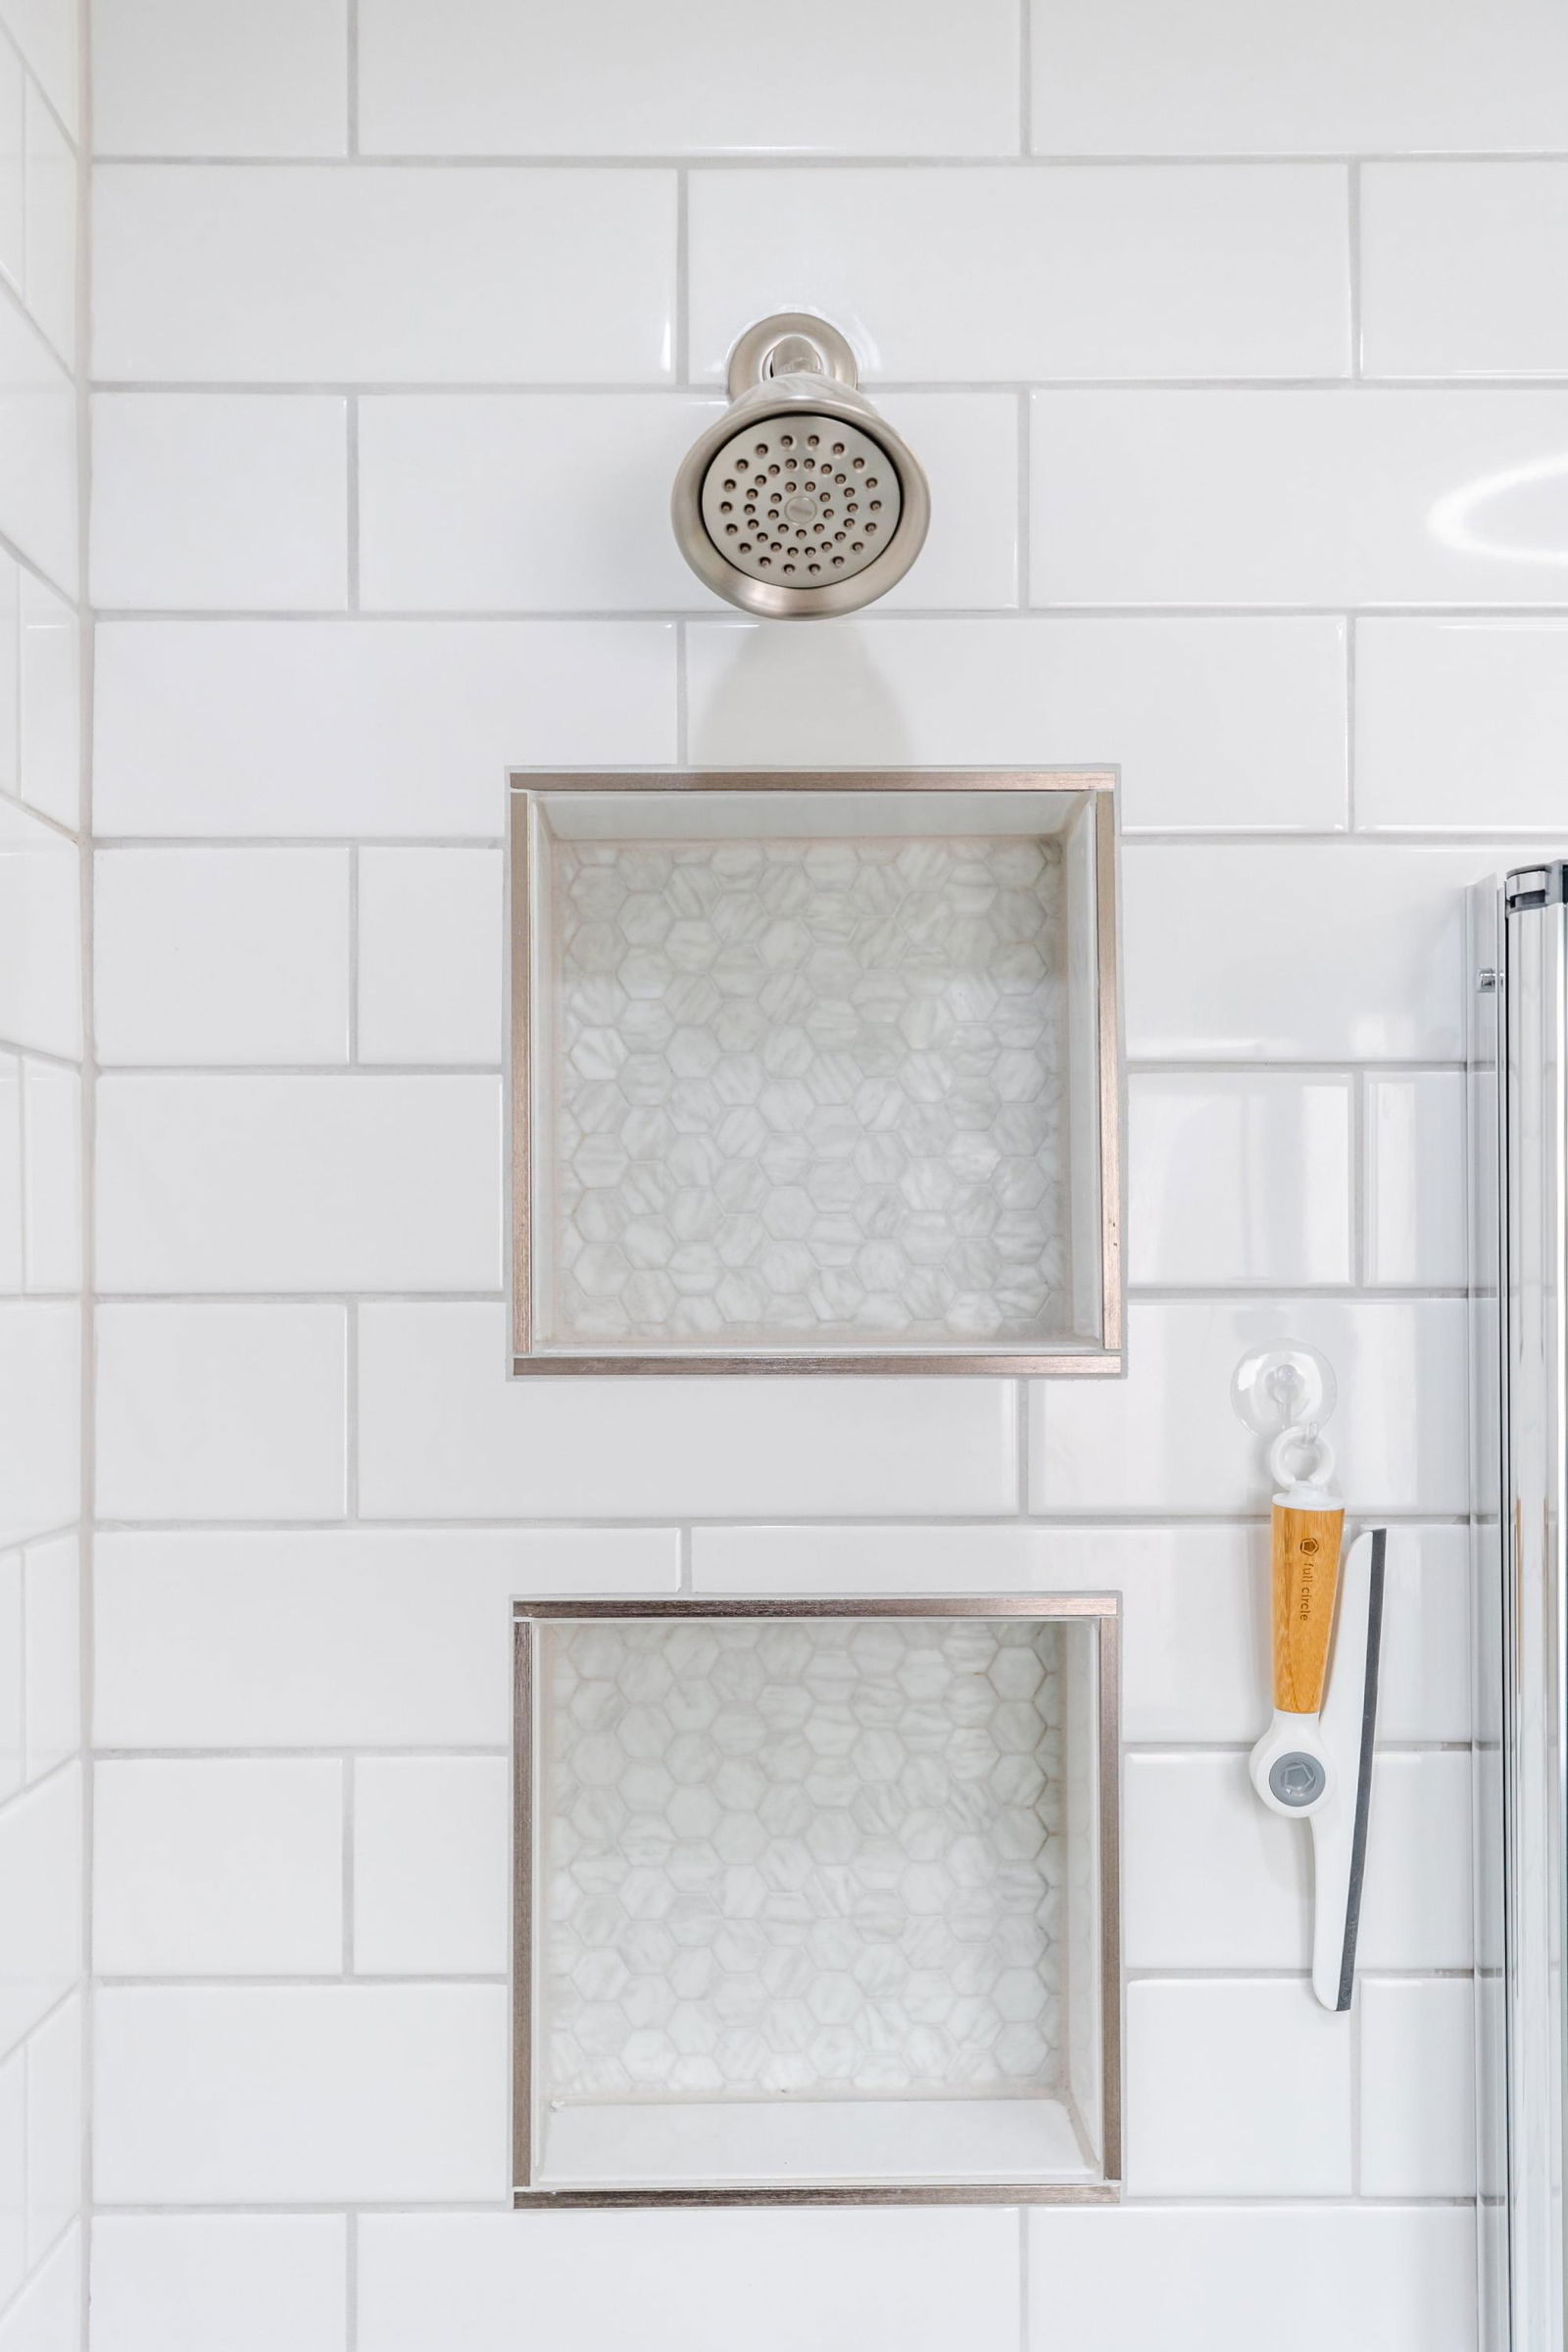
(1230, 336)
(42, 1051)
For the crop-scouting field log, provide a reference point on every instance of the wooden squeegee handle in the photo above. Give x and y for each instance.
(1306, 1550)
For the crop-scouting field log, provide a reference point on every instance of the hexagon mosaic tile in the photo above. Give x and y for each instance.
(811, 1091)
(817, 1856)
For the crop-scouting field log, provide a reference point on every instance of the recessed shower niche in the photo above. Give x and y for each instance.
(817, 1900)
(816, 1072)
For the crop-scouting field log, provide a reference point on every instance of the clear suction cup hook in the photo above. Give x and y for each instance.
(1285, 1385)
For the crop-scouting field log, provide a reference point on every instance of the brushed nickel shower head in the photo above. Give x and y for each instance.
(800, 502)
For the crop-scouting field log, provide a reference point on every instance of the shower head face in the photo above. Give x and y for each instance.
(802, 498)
(800, 502)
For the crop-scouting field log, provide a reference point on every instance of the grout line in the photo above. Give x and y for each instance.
(1023, 2279)
(73, 834)
(1025, 81)
(787, 161)
(658, 390)
(351, 426)
(1020, 1440)
(351, 2284)
(1544, 613)
(496, 1751)
(303, 1980)
(966, 1522)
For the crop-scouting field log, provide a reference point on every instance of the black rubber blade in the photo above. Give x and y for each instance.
(1363, 1784)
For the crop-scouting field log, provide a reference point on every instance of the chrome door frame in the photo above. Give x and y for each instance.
(1518, 1084)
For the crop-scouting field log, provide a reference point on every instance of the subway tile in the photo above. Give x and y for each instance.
(1214, 723)
(50, 690)
(38, 473)
(222, 501)
(1425, 1689)
(430, 955)
(1211, 1880)
(40, 935)
(1416, 1910)
(523, 501)
(11, 1675)
(221, 956)
(264, 2096)
(1236, 2088)
(1238, 1178)
(534, 500)
(217, 1868)
(234, 728)
(1165, 1438)
(1260, 78)
(222, 1413)
(1400, 2277)
(432, 1843)
(394, 727)
(12, 169)
(489, 1448)
(1442, 705)
(54, 2129)
(47, 2316)
(1135, 270)
(303, 274)
(1382, 979)
(52, 1168)
(13, 2174)
(1454, 261)
(11, 1185)
(220, 77)
(52, 240)
(187, 2282)
(40, 1413)
(474, 78)
(48, 35)
(925, 2282)
(394, 1639)
(40, 1923)
(1414, 1178)
(1417, 2088)
(1371, 497)
(299, 1184)
(53, 1658)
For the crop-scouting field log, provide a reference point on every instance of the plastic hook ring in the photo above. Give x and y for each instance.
(1301, 1439)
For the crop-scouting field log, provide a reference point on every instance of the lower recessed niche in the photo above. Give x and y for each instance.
(817, 1899)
